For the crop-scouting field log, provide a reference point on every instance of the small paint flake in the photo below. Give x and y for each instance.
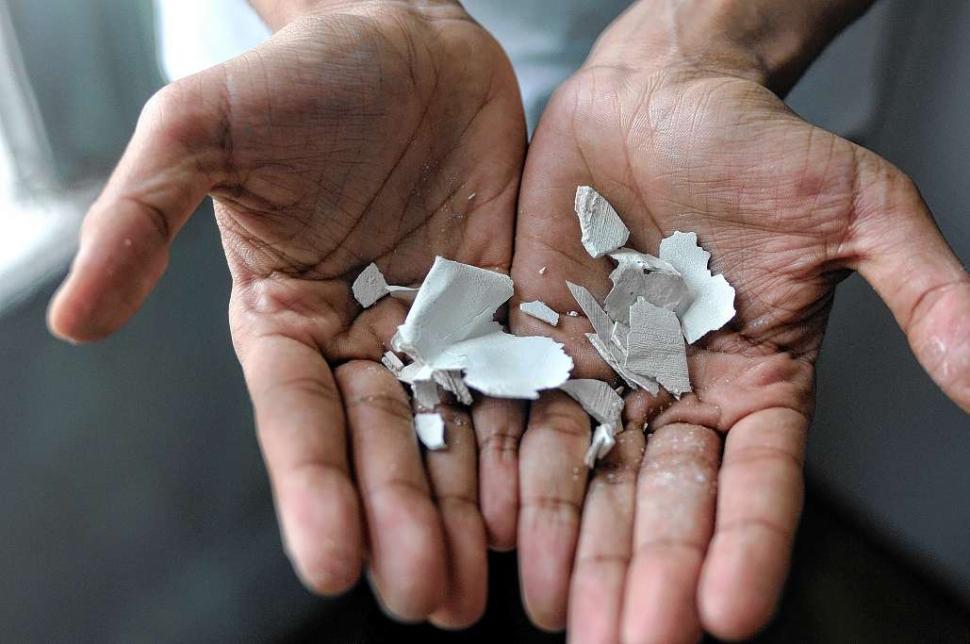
(601, 227)
(430, 429)
(392, 362)
(540, 311)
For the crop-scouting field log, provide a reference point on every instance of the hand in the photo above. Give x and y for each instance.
(672, 534)
(369, 131)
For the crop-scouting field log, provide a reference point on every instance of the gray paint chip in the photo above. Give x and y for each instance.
(601, 227)
(656, 347)
(540, 311)
(713, 298)
(596, 397)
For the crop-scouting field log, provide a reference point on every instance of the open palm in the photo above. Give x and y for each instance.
(675, 532)
(380, 133)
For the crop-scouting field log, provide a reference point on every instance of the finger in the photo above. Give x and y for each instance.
(172, 161)
(759, 501)
(676, 492)
(902, 254)
(454, 485)
(301, 430)
(403, 525)
(553, 479)
(605, 544)
(498, 428)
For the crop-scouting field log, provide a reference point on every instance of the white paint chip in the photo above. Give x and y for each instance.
(598, 399)
(645, 261)
(713, 298)
(601, 227)
(450, 327)
(403, 293)
(508, 366)
(430, 429)
(540, 311)
(392, 362)
(369, 286)
(656, 347)
(601, 444)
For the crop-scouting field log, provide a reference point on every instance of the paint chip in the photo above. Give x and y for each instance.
(656, 347)
(598, 399)
(392, 362)
(430, 429)
(712, 305)
(594, 312)
(370, 286)
(540, 311)
(601, 444)
(615, 359)
(602, 229)
(426, 394)
(450, 327)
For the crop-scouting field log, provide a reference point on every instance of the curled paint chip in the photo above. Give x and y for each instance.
(602, 229)
(601, 444)
(450, 327)
(540, 311)
(712, 305)
(596, 397)
(456, 302)
(430, 429)
(656, 347)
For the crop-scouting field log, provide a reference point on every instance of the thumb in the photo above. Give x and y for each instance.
(903, 255)
(174, 158)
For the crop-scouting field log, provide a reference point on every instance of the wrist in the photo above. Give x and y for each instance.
(768, 41)
(279, 13)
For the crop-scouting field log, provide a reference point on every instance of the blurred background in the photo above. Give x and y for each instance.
(134, 504)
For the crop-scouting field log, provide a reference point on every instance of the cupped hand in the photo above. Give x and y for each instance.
(690, 527)
(387, 132)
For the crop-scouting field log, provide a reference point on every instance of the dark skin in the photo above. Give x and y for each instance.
(393, 132)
